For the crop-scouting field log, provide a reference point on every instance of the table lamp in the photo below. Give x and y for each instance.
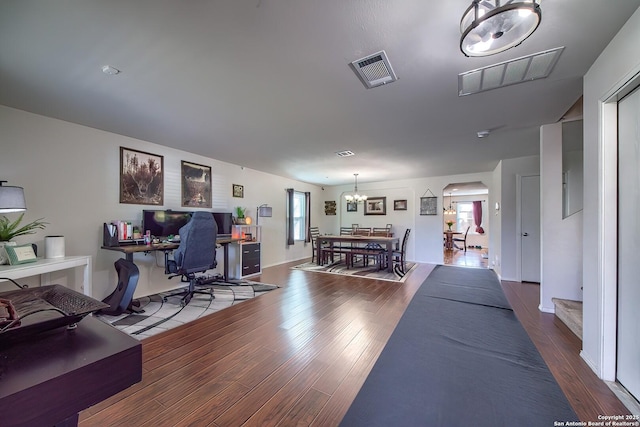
(11, 199)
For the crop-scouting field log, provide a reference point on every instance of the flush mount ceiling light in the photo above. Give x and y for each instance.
(355, 197)
(493, 26)
(109, 70)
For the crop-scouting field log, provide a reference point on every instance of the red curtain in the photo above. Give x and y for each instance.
(477, 216)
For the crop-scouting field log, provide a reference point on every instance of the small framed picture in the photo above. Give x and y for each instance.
(352, 207)
(375, 206)
(330, 207)
(399, 205)
(238, 190)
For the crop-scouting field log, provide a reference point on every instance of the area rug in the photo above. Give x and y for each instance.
(370, 272)
(163, 312)
(459, 357)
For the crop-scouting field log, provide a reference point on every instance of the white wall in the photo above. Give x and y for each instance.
(70, 177)
(615, 66)
(509, 237)
(495, 238)
(561, 238)
(425, 243)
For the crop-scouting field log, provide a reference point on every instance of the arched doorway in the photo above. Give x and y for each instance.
(465, 224)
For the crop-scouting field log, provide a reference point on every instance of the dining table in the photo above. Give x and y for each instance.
(384, 241)
(448, 234)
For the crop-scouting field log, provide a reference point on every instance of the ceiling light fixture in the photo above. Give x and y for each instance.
(493, 26)
(449, 211)
(483, 134)
(108, 69)
(355, 197)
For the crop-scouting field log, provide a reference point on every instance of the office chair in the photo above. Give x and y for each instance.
(121, 299)
(196, 253)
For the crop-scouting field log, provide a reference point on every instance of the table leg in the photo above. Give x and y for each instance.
(390, 257)
(318, 251)
(225, 270)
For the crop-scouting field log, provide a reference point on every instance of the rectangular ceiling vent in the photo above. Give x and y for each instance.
(532, 67)
(345, 153)
(374, 70)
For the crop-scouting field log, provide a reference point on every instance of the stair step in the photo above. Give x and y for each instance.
(570, 312)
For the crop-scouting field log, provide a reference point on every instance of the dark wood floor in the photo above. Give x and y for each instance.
(298, 356)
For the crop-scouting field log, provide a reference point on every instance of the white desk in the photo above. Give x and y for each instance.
(43, 267)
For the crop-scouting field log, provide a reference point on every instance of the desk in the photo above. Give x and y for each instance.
(43, 267)
(448, 244)
(129, 250)
(387, 242)
(48, 380)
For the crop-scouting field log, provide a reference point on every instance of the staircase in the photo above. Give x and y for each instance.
(570, 312)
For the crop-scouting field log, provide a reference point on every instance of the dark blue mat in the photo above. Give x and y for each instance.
(459, 357)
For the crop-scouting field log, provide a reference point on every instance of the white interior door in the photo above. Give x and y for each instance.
(628, 351)
(530, 228)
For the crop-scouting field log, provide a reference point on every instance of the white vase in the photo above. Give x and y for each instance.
(4, 258)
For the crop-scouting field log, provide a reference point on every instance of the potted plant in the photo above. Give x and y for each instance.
(449, 223)
(9, 230)
(240, 215)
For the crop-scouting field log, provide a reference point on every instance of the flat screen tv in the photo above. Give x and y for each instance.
(164, 223)
(224, 221)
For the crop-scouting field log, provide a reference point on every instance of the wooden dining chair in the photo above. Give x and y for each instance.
(462, 239)
(314, 232)
(399, 256)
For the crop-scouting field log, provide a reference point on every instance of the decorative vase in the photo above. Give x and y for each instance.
(241, 221)
(449, 226)
(4, 258)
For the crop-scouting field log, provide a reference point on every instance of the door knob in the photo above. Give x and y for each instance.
(525, 234)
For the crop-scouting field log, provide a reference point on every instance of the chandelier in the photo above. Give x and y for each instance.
(355, 197)
(493, 26)
(449, 211)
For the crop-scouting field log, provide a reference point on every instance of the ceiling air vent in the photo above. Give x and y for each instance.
(374, 70)
(527, 68)
(345, 153)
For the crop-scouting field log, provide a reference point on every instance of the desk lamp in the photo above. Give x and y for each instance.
(11, 199)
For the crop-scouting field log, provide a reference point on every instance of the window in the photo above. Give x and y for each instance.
(464, 215)
(299, 214)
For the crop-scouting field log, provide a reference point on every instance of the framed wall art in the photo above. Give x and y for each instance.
(141, 177)
(238, 190)
(428, 205)
(352, 207)
(196, 185)
(330, 207)
(399, 205)
(375, 206)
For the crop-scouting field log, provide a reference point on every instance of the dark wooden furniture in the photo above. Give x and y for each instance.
(385, 242)
(47, 380)
(249, 259)
(129, 250)
(462, 239)
(448, 242)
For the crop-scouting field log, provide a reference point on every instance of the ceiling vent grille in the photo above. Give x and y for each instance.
(527, 68)
(374, 70)
(345, 153)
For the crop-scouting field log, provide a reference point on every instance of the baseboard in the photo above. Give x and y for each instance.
(589, 363)
(547, 309)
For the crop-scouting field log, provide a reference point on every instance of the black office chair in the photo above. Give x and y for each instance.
(196, 253)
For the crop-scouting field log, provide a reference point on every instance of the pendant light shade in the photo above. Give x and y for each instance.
(493, 26)
(11, 199)
(355, 197)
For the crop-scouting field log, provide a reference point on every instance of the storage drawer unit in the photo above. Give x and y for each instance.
(245, 260)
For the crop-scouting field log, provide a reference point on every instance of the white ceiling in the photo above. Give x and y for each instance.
(266, 84)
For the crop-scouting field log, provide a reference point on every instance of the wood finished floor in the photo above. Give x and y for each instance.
(298, 356)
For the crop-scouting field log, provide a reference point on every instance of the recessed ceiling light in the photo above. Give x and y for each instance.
(483, 134)
(108, 69)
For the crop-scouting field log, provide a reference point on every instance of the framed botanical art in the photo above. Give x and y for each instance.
(352, 207)
(399, 205)
(330, 207)
(375, 206)
(141, 177)
(238, 190)
(196, 185)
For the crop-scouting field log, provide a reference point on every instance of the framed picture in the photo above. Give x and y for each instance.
(141, 177)
(330, 207)
(352, 207)
(375, 206)
(196, 185)
(238, 190)
(428, 205)
(399, 205)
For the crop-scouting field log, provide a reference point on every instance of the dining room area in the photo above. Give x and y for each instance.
(465, 229)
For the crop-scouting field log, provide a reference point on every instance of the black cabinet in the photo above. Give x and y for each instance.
(245, 259)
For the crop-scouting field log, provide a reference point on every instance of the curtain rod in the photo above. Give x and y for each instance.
(467, 201)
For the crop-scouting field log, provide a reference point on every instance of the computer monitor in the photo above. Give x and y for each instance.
(224, 221)
(164, 223)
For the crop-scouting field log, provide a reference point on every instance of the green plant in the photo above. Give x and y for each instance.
(240, 212)
(9, 230)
